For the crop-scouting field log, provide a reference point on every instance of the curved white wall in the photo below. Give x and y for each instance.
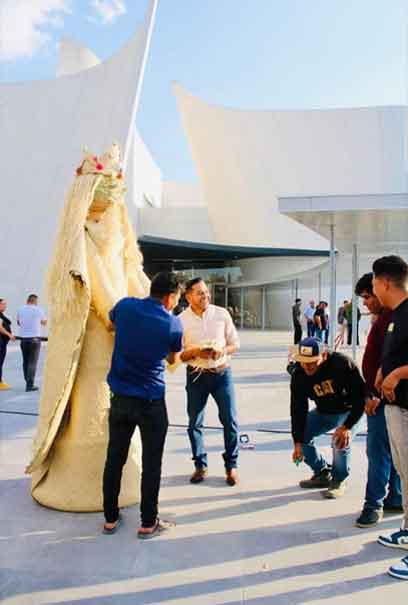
(245, 159)
(73, 58)
(184, 224)
(182, 195)
(144, 179)
(278, 269)
(44, 125)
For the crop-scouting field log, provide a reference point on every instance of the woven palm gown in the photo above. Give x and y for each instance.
(96, 263)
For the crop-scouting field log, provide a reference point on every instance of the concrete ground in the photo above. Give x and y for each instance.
(263, 542)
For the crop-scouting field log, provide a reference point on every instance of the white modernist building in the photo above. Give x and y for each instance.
(44, 127)
(227, 227)
(257, 169)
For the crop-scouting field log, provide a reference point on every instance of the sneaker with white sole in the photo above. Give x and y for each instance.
(400, 570)
(335, 490)
(399, 539)
(369, 517)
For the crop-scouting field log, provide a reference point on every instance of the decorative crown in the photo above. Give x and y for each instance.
(108, 164)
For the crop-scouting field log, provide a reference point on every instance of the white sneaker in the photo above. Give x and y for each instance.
(399, 539)
(400, 570)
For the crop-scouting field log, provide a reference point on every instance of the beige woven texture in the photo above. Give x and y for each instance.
(96, 263)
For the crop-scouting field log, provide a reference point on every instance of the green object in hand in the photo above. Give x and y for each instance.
(298, 461)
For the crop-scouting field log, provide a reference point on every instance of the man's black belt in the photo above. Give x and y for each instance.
(35, 338)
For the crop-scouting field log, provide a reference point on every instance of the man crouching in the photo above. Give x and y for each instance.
(334, 383)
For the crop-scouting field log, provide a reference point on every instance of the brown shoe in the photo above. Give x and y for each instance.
(199, 475)
(232, 476)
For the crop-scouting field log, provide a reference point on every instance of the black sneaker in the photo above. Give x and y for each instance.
(393, 509)
(318, 480)
(369, 518)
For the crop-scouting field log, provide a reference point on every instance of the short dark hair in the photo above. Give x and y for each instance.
(192, 282)
(393, 268)
(364, 284)
(32, 298)
(298, 300)
(164, 283)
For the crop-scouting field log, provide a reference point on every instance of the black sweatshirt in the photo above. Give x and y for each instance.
(336, 387)
(395, 351)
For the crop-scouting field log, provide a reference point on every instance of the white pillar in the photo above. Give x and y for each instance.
(354, 273)
(332, 289)
(263, 307)
(242, 308)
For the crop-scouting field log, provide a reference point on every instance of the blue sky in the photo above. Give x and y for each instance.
(278, 54)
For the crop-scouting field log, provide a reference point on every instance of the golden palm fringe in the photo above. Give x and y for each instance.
(70, 242)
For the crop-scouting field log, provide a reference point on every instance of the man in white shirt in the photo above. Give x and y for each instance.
(309, 316)
(209, 340)
(30, 319)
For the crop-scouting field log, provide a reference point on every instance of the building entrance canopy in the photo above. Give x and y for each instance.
(352, 221)
(365, 220)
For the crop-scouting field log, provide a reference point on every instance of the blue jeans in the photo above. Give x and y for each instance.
(318, 424)
(319, 334)
(382, 476)
(311, 328)
(220, 386)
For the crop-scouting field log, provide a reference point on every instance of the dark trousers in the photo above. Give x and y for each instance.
(30, 348)
(3, 351)
(126, 413)
(350, 334)
(311, 328)
(297, 337)
(199, 387)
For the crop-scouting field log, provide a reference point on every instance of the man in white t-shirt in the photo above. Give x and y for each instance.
(309, 316)
(30, 319)
(209, 340)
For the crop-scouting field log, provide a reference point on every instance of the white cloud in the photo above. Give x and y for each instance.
(108, 10)
(22, 24)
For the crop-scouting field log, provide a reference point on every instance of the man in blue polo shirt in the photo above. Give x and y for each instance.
(146, 333)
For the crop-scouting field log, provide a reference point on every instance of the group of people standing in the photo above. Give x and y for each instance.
(30, 320)
(316, 318)
(204, 337)
(341, 395)
(147, 335)
(317, 321)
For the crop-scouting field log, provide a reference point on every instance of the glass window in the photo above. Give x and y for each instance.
(253, 307)
(234, 305)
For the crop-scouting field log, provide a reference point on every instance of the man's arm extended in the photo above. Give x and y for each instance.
(6, 333)
(390, 382)
(173, 358)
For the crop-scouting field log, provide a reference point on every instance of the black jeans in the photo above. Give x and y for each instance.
(350, 334)
(297, 337)
(126, 413)
(3, 351)
(30, 348)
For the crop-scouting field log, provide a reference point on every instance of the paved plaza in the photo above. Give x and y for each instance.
(263, 542)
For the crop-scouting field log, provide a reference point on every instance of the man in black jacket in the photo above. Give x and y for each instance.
(335, 385)
(390, 285)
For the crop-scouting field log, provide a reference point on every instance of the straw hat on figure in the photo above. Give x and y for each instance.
(96, 263)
